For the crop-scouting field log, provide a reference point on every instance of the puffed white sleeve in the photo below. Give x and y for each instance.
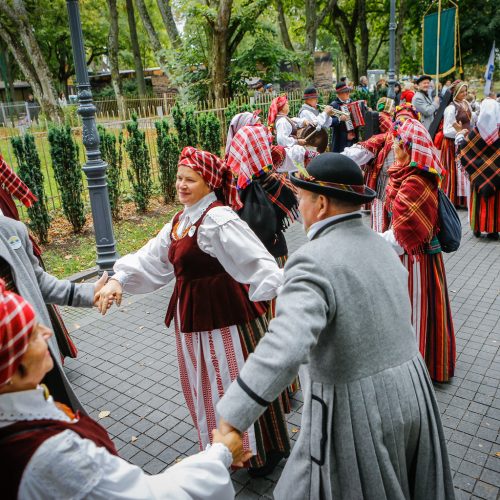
(324, 120)
(391, 239)
(68, 466)
(448, 121)
(283, 131)
(224, 236)
(359, 154)
(147, 269)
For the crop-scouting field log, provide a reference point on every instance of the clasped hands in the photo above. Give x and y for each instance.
(106, 292)
(231, 438)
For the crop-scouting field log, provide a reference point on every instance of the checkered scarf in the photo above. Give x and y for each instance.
(411, 206)
(214, 172)
(384, 122)
(249, 155)
(238, 121)
(15, 186)
(276, 106)
(17, 320)
(379, 145)
(414, 138)
(278, 156)
(482, 162)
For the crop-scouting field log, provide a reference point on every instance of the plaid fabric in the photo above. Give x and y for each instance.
(249, 155)
(406, 110)
(238, 121)
(380, 146)
(281, 193)
(278, 156)
(412, 205)
(17, 320)
(384, 122)
(276, 106)
(482, 162)
(15, 186)
(214, 172)
(414, 138)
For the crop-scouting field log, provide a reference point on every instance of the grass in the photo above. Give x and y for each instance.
(68, 254)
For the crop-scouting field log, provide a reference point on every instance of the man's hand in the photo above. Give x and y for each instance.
(234, 443)
(301, 142)
(328, 110)
(343, 118)
(100, 283)
(109, 293)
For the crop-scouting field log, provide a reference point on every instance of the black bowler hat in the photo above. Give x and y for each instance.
(342, 87)
(421, 78)
(336, 176)
(310, 93)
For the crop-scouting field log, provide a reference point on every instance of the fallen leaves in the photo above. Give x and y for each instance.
(104, 414)
(133, 439)
(295, 430)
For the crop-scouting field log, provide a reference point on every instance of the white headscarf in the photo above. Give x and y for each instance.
(489, 120)
(238, 121)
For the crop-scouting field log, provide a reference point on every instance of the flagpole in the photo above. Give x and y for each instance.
(438, 44)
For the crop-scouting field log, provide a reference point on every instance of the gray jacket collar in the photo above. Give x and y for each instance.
(315, 232)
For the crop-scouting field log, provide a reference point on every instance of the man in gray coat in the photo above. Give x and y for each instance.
(370, 423)
(18, 263)
(423, 102)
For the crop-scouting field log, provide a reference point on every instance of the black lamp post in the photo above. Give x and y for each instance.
(392, 49)
(95, 167)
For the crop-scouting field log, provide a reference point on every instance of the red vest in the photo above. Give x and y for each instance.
(209, 298)
(19, 441)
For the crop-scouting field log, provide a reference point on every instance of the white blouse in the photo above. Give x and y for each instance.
(358, 154)
(222, 235)
(284, 131)
(449, 119)
(70, 467)
(323, 120)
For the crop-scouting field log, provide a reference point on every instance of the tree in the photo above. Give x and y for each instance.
(134, 41)
(285, 37)
(169, 22)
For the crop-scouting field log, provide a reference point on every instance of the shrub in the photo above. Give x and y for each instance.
(30, 172)
(68, 174)
(112, 154)
(185, 124)
(139, 173)
(168, 156)
(209, 130)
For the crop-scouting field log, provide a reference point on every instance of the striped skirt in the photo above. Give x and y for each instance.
(208, 363)
(455, 184)
(484, 213)
(431, 314)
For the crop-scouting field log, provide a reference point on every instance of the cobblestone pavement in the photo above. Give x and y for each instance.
(127, 365)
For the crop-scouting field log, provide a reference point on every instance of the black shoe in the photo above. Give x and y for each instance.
(492, 236)
(273, 459)
(477, 234)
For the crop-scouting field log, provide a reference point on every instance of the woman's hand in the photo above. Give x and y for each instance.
(457, 126)
(109, 293)
(232, 440)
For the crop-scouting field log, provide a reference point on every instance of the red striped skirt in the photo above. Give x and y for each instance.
(208, 363)
(431, 314)
(455, 183)
(484, 213)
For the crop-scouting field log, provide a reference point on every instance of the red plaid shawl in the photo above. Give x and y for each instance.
(379, 145)
(482, 162)
(214, 172)
(15, 186)
(384, 122)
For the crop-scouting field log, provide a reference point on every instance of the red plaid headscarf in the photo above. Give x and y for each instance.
(414, 138)
(214, 173)
(15, 186)
(17, 320)
(249, 155)
(238, 121)
(276, 106)
(278, 156)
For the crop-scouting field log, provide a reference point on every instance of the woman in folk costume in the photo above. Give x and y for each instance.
(411, 223)
(376, 156)
(479, 153)
(54, 453)
(223, 279)
(459, 111)
(11, 186)
(270, 204)
(285, 130)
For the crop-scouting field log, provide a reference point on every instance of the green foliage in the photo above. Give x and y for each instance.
(139, 174)
(209, 133)
(31, 173)
(168, 156)
(112, 154)
(68, 174)
(185, 124)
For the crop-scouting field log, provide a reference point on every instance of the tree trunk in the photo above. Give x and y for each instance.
(403, 9)
(47, 96)
(156, 45)
(220, 49)
(285, 37)
(116, 81)
(134, 42)
(169, 22)
(364, 36)
(346, 36)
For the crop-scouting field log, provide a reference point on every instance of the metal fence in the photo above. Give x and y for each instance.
(148, 111)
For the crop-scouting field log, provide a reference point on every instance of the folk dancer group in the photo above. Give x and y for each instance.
(236, 377)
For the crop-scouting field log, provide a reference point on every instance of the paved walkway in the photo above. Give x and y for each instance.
(127, 365)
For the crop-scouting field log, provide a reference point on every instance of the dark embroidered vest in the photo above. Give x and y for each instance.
(19, 442)
(463, 115)
(209, 298)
